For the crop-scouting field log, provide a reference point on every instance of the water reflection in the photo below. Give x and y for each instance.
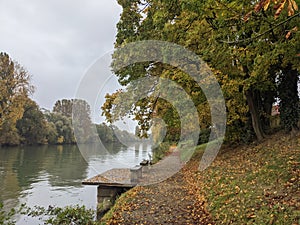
(52, 175)
(9, 187)
(22, 167)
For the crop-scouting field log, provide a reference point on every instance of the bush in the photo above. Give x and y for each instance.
(76, 215)
(7, 217)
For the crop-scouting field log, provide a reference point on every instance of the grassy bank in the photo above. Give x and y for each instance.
(254, 184)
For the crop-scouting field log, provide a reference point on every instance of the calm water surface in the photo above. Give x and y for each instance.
(52, 175)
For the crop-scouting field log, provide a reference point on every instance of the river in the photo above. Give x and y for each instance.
(52, 175)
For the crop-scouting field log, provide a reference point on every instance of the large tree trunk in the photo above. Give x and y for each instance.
(255, 117)
(268, 100)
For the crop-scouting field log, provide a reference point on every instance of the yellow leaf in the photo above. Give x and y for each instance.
(290, 8)
(280, 8)
(295, 6)
(295, 29)
(267, 3)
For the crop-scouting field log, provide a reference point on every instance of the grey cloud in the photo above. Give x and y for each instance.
(57, 40)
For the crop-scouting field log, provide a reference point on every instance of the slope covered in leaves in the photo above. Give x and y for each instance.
(257, 184)
(174, 201)
(254, 184)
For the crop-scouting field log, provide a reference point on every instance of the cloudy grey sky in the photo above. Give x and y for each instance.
(57, 41)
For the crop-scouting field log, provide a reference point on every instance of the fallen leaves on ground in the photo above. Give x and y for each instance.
(255, 184)
(176, 200)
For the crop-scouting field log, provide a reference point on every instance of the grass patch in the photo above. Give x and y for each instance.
(256, 184)
(191, 153)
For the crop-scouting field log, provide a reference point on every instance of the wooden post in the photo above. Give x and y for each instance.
(135, 174)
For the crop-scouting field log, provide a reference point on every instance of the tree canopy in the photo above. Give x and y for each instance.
(32, 127)
(14, 91)
(252, 47)
(23, 122)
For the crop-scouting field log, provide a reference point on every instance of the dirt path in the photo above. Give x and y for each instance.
(176, 200)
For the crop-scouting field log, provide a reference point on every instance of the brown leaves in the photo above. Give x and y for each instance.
(174, 201)
(279, 8)
(251, 184)
(292, 7)
(295, 29)
(264, 5)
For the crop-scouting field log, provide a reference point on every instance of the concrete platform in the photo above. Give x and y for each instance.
(112, 178)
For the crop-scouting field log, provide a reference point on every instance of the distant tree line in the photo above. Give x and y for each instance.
(22, 121)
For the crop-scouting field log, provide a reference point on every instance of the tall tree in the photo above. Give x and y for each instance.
(63, 107)
(81, 120)
(32, 126)
(247, 44)
(248, 50)
(14, 90)
(78, 112)
(60, 130)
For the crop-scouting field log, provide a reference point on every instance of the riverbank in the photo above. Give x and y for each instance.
(255, 184)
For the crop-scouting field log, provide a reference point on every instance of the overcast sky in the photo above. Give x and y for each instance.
(57, 41)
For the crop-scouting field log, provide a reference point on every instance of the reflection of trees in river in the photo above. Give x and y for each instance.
(136, 149)
(114, 148)
(66, 166)
(21, 167)
(28, 164)
(101, 151)
(61, 166)
(9, 184)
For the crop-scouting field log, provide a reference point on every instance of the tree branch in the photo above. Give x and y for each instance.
(146, 5)
(262, 34)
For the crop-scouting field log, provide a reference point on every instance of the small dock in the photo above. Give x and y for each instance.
(117, 181)
(138, 175)
(111, 184)
(112, 178)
